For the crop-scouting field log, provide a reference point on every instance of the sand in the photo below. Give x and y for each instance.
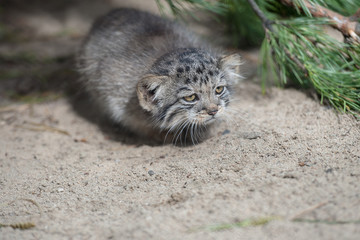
(282, 166)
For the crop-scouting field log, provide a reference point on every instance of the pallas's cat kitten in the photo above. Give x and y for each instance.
(155, 77)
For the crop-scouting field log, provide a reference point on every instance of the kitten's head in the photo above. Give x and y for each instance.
(188, 88)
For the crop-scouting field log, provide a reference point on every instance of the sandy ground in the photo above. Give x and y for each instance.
(283, 166)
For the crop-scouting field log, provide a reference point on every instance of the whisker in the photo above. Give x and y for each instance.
(177, 125)
(193, 138)
(179, 131)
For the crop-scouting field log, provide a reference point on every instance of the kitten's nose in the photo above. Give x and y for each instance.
(212, 110)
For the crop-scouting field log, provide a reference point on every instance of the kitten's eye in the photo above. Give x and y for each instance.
(190, 98)
(219, 89)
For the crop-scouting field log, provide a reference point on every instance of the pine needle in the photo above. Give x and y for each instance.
(21, 226)
(251, 222)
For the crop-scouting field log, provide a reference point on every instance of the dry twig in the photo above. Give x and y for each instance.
(297, 216)
(348, 26)
(42, 128)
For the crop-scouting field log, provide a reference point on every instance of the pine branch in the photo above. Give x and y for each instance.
(268, 26)
(346, 25)
(266, 22)
(302, 51)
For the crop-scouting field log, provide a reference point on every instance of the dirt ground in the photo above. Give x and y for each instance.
(281, 167)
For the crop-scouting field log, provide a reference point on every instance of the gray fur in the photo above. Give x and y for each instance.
(139, 67)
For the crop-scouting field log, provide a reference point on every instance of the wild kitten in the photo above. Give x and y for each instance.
(155, 77)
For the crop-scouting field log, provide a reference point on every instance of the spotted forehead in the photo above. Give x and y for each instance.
(195, 67)
(188, 66)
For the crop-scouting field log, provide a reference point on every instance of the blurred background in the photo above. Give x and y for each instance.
(39, 39)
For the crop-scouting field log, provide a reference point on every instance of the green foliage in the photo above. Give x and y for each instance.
(244, 27)
(304, 53)
(330, 66)
(242, 24)
(182, 7)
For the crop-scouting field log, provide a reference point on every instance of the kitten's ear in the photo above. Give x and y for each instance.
(148, 89)
(231, 65)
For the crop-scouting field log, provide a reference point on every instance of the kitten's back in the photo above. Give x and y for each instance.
(120, 48)
(135, 39)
